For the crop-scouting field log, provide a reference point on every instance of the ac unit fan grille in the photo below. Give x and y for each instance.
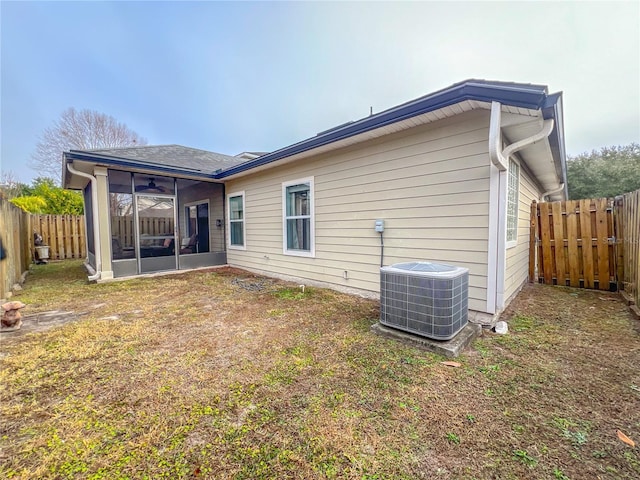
(419, 303)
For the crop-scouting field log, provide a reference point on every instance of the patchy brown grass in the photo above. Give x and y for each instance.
(221, 374)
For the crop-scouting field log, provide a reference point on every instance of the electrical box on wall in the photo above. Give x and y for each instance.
(379, 226)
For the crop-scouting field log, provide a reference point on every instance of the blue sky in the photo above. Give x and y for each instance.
(238, 76)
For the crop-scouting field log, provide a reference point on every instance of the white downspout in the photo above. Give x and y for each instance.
(499, 157)
(495, 138)
(498, 192)
(555, 190)
(94, 208)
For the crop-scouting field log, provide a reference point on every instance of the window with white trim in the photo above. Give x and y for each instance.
(235, 202)
(513, 183)
(298, 217)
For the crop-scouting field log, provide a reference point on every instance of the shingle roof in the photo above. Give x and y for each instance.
(257, 154)
(175, 156)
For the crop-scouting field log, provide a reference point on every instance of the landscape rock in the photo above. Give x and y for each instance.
(501, 328)
(11, 318)
(15, 305)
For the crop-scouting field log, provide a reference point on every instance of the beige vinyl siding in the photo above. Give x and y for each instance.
(517, 261)
(429, 184)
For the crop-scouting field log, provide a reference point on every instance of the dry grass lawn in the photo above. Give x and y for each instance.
(221, 374)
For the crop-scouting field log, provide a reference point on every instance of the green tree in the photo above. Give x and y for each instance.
(31, 203)
(44, 196)
(607, 172)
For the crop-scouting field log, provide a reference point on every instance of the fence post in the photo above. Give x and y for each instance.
(602, 243)
(618, 232)
(533, 240)
(546, 260)
(558, 243)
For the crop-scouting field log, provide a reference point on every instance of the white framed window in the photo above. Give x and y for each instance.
(298, 229)
(513, 195)
(235, 221)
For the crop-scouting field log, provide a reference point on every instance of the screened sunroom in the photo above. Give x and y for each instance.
(162, 223)
(140, 219)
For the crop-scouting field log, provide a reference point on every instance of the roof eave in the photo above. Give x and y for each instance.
(79, 155)
(524, 96)
(552, 108)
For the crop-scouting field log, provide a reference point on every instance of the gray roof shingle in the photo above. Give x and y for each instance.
(176, 156)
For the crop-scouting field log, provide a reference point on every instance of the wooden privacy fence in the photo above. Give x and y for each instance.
(592, 243)
(122, 228)
(14, 231)
(64, 234)
(628, 225)
(575, 243)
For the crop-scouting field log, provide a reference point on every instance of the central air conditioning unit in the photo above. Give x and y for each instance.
(428, 299)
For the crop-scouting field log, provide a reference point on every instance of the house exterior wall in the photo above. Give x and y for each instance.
(429, 184)
(517, 258)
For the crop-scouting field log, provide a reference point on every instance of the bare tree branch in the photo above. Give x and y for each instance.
(10, 187)
(79, 130)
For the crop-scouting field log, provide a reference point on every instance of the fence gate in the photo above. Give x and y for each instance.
(573, 244)
(628, 243)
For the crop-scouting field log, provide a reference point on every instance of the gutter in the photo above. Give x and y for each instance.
(555, 190)
(94, 207)
(553, 109)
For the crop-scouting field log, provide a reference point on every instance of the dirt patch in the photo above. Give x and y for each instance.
(224, 374)
(39, 322)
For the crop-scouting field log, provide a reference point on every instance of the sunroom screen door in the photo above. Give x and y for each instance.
(156, 233)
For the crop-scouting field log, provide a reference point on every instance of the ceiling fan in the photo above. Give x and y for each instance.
(151, 187)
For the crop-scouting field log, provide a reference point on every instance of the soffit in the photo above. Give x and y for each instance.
(538, 156)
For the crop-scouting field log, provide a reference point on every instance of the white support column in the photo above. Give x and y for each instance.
(102, 185)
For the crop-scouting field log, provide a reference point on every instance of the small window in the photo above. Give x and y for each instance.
(512, 203)
(298, 224)
(236, 220)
